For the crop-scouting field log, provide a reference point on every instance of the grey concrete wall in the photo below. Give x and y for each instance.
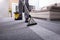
(4, 9)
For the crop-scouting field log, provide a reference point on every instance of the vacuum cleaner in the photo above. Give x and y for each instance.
(28, 17)
(31, 21)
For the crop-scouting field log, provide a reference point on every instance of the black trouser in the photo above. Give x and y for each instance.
(20, 9)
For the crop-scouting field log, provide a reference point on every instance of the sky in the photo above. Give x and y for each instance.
(41, 3)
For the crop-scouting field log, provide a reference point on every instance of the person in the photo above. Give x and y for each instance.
(20, 6)
(26, 9)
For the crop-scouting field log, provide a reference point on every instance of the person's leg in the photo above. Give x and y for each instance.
(26, 17)
(20, 9)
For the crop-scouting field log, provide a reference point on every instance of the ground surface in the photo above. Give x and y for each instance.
(44, 30)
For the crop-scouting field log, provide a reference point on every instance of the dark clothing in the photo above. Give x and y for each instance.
(22, 8)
